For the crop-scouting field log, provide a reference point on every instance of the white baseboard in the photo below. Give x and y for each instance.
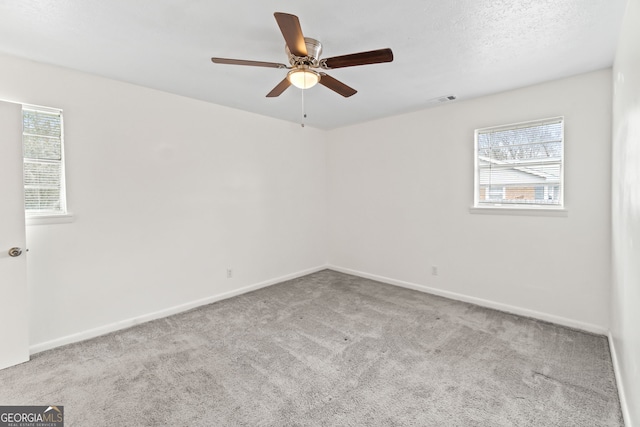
(123, 324)
(616, 369)
(521, 311)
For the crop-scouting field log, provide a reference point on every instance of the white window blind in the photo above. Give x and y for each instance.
(42, 144)
(520, 165)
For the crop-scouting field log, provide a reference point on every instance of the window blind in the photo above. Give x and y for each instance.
(520, 164)
(43, 161)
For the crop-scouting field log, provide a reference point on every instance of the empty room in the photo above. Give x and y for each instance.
(421, 213)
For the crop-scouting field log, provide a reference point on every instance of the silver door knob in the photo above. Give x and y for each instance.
(15, 252)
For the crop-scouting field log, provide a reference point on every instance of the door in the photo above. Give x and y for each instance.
(14, 307)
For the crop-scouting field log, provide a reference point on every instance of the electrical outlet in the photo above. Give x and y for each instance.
(229, 273)
(434, 270)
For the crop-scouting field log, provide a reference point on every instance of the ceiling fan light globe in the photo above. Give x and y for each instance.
(303, 78)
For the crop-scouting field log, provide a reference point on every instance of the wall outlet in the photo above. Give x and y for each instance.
(434, 270)
(229, 273)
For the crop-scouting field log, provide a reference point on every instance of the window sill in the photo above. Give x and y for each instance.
(525, 211)
(49, 219)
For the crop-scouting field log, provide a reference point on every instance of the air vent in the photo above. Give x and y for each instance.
(442, 99)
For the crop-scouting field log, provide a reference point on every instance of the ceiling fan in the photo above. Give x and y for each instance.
(304, 58)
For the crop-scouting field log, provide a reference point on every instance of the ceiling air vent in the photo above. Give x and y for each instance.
(441, 99)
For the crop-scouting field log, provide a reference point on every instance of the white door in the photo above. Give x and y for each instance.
(14, 307)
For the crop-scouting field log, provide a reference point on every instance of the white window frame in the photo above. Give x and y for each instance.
(57, 216)
(516, 208)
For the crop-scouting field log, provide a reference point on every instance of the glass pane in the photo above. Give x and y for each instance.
(539, 142)
(39, 147)
(42, 199)
(41, 123)
(524, 194)
(42, 175)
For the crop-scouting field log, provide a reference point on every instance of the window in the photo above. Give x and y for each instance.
(43, 154)
(520, 165)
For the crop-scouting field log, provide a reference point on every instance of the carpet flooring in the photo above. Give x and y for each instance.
(327, 349)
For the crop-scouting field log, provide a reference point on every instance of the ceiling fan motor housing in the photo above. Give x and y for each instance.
(314, 50)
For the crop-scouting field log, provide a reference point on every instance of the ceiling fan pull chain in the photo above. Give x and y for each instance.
(304, 115)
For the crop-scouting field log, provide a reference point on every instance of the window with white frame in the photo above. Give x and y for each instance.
(520, 165)
(43, 155)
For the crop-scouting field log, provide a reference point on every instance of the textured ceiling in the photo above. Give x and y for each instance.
(467, 48)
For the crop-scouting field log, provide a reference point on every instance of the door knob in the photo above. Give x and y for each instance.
(15, 252)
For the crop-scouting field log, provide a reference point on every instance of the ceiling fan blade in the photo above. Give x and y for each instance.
(292, 33)
(362, 58)
(244, 62)
(281, 87)
(336, 85)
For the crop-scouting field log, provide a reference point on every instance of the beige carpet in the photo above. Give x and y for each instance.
(328, 349)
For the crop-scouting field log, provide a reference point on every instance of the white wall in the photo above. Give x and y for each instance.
(625, 312)
(167, 193)
(400, 190)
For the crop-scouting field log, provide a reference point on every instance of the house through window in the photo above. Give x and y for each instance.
(520, 165)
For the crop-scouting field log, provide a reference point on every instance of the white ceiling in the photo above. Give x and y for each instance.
(466, 48)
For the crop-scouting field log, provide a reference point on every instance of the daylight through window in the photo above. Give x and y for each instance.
(42, 142)
(520, 165)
